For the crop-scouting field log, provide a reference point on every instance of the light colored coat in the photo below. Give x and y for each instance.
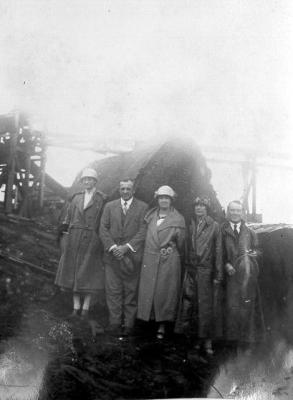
(80, 268)
(160, 278)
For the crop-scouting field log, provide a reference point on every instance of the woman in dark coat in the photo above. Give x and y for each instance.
(80, 268)
(160, 279)
(202, 276)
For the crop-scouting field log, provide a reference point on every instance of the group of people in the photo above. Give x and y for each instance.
(202, 277)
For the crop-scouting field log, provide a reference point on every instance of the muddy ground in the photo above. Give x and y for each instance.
(47, 355)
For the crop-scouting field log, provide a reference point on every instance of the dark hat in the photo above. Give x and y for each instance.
(203, 200)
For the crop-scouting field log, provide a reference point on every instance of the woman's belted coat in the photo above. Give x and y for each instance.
(198, 313)
(80, 268)
(160, 279)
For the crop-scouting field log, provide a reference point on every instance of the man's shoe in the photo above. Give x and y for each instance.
(113, 329)
(128, 331)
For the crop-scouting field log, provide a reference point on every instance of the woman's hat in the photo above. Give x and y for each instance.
(165, 191)
(202, 200)
(89, 173)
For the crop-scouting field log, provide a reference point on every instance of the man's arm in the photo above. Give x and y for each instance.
(104, 230)
(219, 255)
(139, 237)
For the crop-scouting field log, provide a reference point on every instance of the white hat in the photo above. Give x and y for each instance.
(165, 191)
(89, 173)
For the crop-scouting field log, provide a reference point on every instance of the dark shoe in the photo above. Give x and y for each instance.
(96, 328)
(113, 329)
(74, 314)
(84, 314)
(128, 331)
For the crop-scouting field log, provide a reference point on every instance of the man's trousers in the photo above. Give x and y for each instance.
(121, 294)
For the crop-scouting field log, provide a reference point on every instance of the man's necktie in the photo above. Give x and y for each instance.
(125, 207)
(236, 233)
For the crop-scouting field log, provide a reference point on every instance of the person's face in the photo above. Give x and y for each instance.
(234, 212)
(88, 182)
(200, 210)
(126, 190)
(164, 202)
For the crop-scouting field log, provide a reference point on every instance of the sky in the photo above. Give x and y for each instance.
(215, 71)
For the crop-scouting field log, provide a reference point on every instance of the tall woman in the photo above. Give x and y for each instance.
(160, 279)
(203, 273)
(80, 268)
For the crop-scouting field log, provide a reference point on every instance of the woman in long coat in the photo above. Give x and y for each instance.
(160, 279)
(203, 275)
(80, 268)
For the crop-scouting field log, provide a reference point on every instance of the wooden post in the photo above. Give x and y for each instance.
(42, 176)
(253, 184)
(11, 165)
(246, 187)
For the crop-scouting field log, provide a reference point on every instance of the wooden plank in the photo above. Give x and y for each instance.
(11, 166)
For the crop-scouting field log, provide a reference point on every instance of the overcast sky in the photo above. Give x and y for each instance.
(220, 71)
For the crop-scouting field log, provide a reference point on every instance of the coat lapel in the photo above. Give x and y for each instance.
(151, 220)
(81, 203)
(200, 228)
(171, 220)
(91, 202)
(229, 230)
(118, 212)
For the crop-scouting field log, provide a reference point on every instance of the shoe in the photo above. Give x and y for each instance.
(113, 329)
(209, 351)
(161, 332)
(84, 314)
(128, 331)
(74, 314)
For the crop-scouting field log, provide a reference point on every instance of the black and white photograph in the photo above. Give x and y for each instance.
(146, 199)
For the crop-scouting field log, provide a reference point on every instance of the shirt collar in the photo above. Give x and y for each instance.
(90, 192)
(238, 224)
(128, 202)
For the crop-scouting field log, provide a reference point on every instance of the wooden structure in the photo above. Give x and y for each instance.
(22, 166)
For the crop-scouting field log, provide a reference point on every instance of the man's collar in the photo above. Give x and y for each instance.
(235, 223)
(238, 225)
(127, 201)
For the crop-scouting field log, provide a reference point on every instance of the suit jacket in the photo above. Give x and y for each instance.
(233, 248)
(115, 228)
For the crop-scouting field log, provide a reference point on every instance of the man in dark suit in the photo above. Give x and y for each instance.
(243, 311)
(122, 231)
